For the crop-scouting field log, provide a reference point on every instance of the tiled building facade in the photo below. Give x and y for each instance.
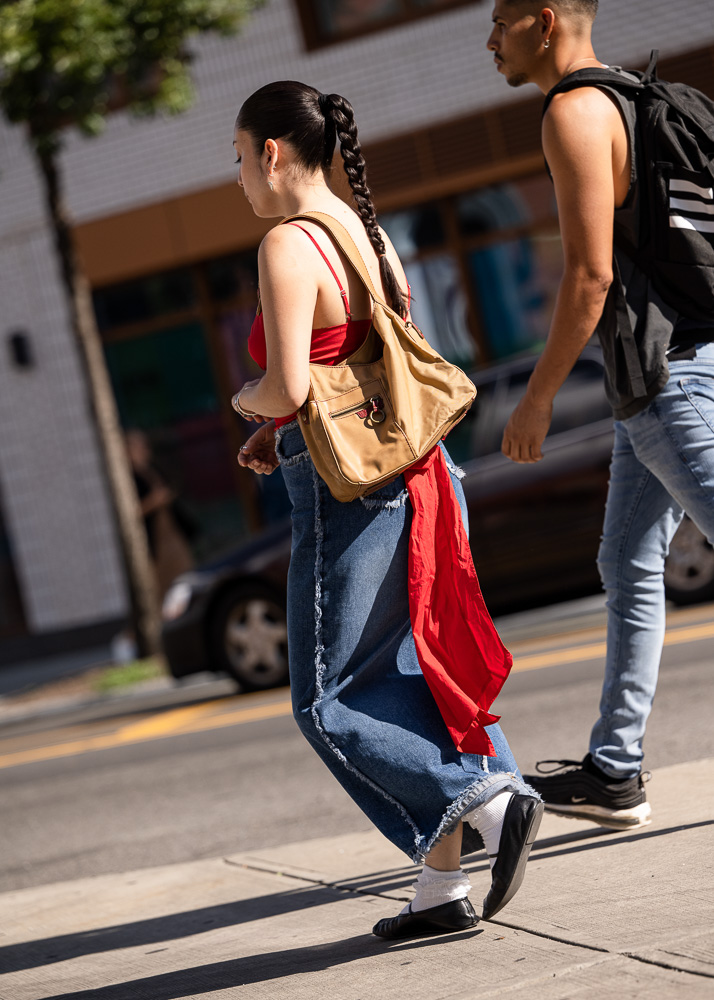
(169, 245)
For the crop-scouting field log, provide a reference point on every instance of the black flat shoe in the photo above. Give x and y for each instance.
(520, 826)
(458, 915)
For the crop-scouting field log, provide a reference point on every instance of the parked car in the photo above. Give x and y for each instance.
(534, 531)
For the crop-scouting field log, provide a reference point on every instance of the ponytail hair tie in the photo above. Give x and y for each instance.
(325, 103)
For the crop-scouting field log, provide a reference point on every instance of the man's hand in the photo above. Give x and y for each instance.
(526, 430)
(258, 453)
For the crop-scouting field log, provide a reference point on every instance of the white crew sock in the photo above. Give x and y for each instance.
(488, 820)
(434, 888)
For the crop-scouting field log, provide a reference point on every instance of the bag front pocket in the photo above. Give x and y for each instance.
(367, 409)
(362, 433)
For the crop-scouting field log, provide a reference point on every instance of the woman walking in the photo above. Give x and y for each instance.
(359, 692)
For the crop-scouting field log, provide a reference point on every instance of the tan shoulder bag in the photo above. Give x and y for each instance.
(368, 418)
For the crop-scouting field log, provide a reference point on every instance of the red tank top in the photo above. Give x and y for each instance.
(329, 345)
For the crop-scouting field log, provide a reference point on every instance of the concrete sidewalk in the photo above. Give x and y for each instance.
(600, 915)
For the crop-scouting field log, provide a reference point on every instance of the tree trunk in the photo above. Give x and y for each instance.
(120, 480)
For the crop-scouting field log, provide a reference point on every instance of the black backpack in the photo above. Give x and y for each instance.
(675, 169)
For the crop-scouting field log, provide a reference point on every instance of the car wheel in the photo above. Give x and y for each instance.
(248, 637)
(689, 570)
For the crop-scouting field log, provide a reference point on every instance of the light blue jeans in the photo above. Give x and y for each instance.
(662, 466)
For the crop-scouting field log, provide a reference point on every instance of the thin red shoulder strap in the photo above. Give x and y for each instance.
(343, 293)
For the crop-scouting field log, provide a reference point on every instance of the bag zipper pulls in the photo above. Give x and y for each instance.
(377, 409)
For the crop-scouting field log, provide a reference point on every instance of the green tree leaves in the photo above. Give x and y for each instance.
(72, 61)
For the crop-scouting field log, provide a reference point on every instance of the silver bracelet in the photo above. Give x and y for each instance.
(235, 403)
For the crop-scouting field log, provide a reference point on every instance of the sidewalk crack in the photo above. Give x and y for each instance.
(665, 965)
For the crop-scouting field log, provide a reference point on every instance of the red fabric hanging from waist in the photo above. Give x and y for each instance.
(460, 652)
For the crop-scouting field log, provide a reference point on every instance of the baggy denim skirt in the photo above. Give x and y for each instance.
(358, 693)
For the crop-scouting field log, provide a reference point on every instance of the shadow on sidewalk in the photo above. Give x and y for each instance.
(541, 848)
(173, 927)
(254, 969)
(397, 879)
(158, 930)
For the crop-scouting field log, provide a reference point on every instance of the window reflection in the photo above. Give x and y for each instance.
(440, 308)
(146, 299)
(439, 304)
(516, 283)
(233, 276)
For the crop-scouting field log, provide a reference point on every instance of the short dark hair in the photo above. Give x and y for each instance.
(586, 8)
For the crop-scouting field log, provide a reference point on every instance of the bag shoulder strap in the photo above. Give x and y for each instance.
(595, 78)
(346, 244)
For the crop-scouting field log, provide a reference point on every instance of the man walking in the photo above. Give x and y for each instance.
(663, 458)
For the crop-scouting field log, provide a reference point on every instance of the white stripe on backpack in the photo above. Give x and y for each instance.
(701, 225)
(686, 206)
(690, 188)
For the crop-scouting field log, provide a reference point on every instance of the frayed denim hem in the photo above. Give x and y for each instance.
(478, 793)
(454, 469)
(287, 463)
(374, 503)
(302, 456)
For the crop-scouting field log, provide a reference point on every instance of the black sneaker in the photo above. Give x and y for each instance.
(583, 791)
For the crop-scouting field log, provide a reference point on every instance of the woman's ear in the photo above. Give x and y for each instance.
(271, 152)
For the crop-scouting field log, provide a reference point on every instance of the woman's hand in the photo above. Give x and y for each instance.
(258, 453)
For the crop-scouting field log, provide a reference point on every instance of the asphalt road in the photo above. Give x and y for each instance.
(116, 788)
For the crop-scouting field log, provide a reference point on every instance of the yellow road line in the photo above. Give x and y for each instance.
(198, 718)
(596, 650)
(165, 723)
(136, 734)
(241, 716)
(556, 656)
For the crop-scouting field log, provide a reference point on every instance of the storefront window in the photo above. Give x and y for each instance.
(439, 305)
(146, 299)
(515, 277)
(233, 276)
(164, 385)
(515, 309)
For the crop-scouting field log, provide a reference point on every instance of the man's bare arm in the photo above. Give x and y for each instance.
(578, 134)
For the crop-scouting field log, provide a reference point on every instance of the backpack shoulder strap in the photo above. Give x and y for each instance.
(596, 78)
(346, 244)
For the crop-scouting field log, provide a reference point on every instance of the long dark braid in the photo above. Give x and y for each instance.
(340, 112)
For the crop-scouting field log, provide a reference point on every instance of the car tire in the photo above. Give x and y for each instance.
(248, 637)
(689, 570)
